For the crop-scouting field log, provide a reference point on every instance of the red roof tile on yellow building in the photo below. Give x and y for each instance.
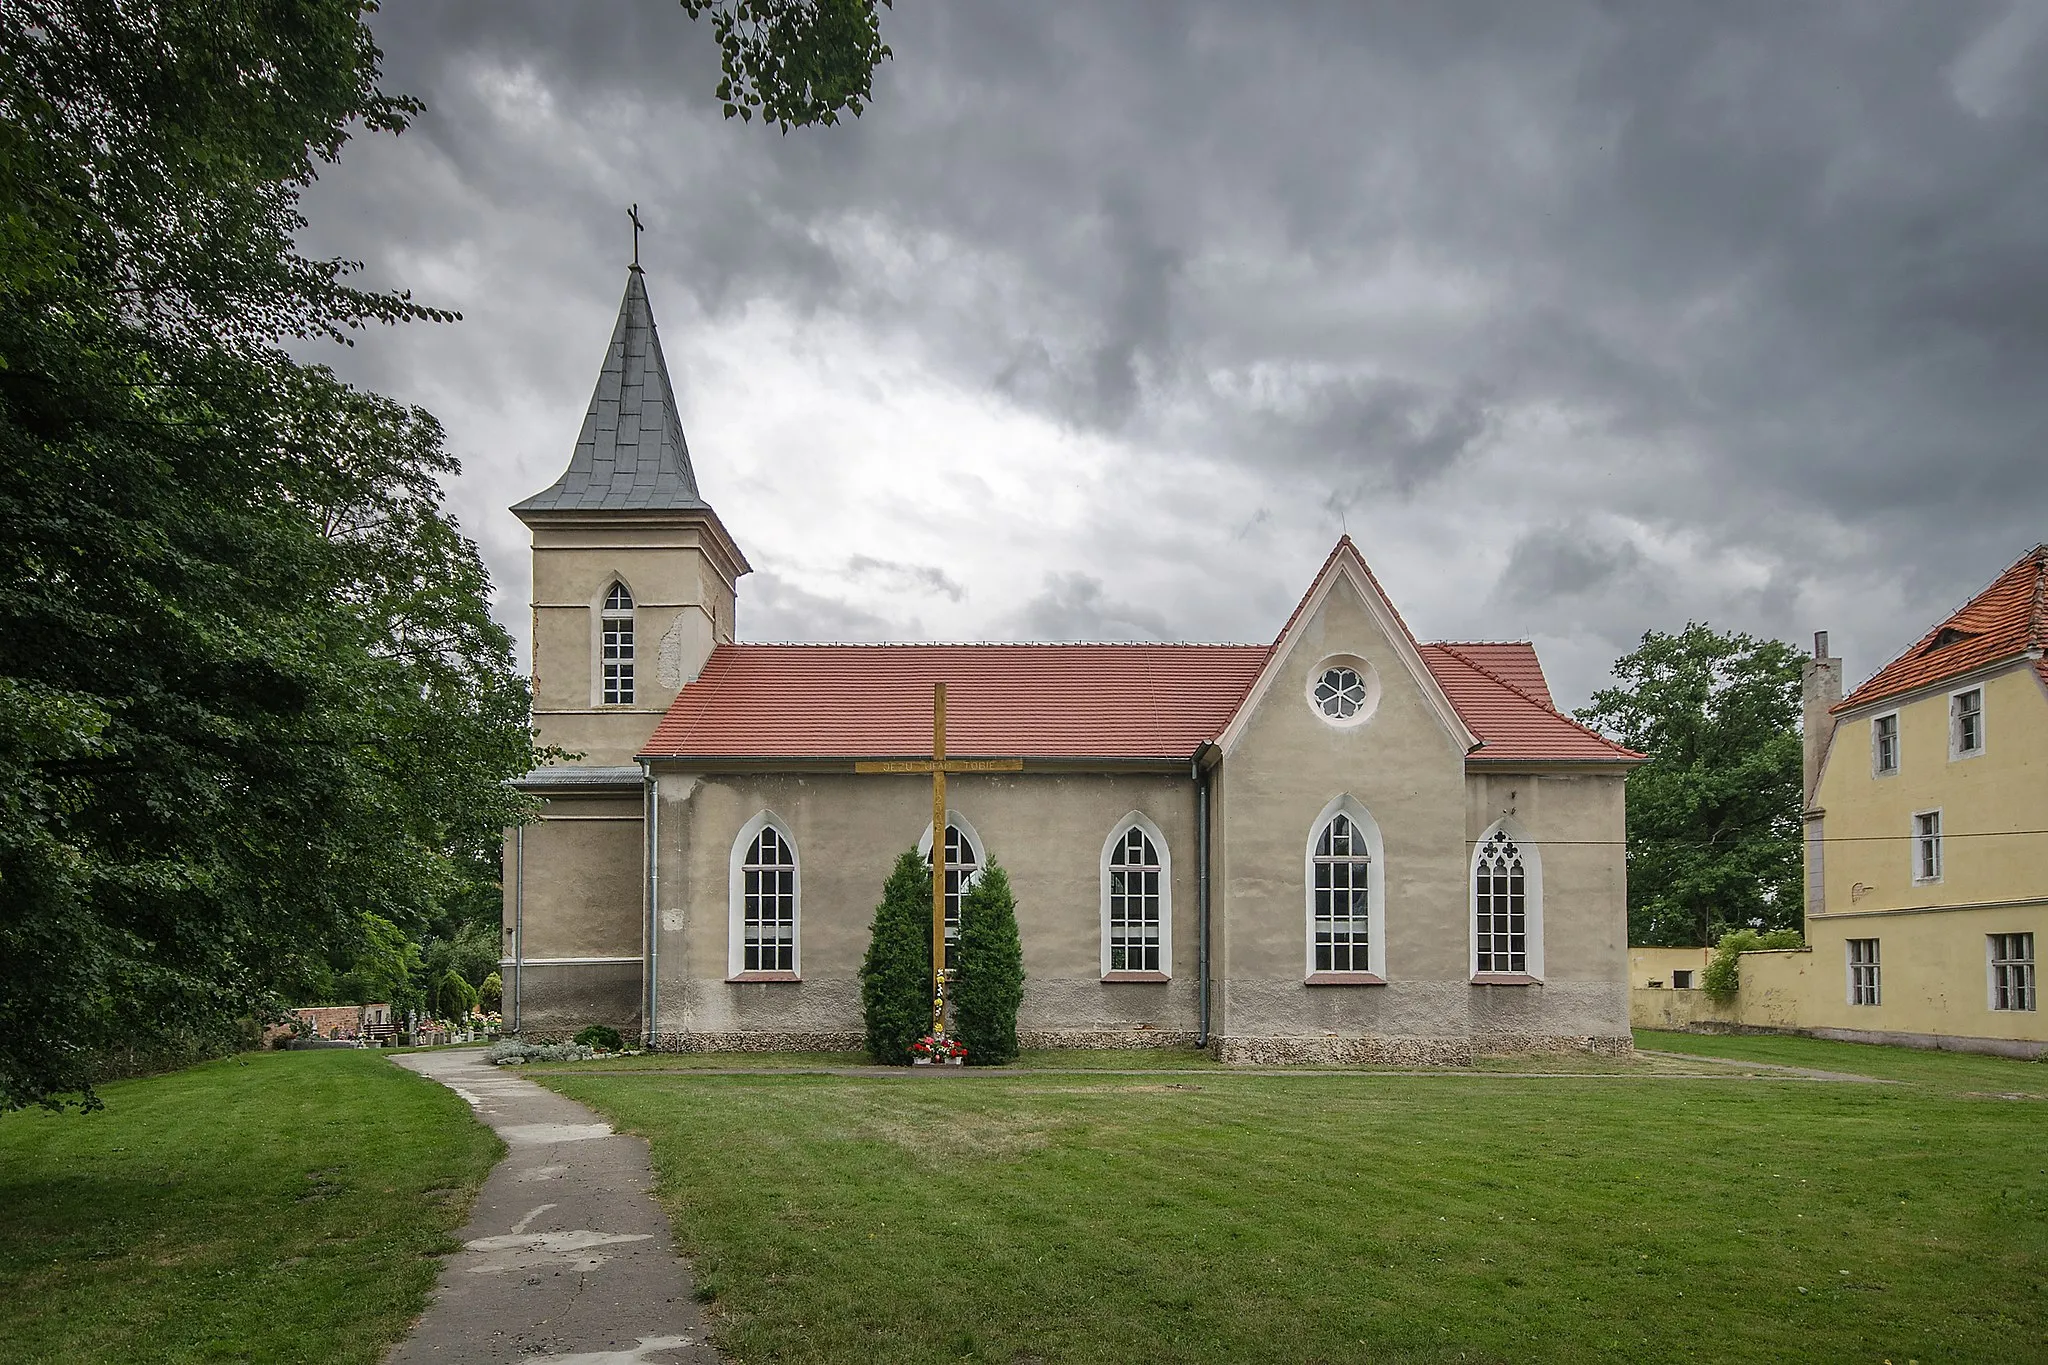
(2006, 621)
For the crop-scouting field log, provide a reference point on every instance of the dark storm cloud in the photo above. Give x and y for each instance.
(895, 577)
(774, 609)
(1565, 562)
(1073, 606)
(1764, 282)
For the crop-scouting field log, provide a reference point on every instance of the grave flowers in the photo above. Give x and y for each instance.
(936, 1050)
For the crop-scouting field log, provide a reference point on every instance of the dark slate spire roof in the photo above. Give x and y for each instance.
(631, 455)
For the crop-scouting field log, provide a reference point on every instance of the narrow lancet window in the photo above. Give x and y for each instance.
(1342, 868)
(618, 646)
(1500, 891)
(962, 862)
(768, 915)
(1134, 870)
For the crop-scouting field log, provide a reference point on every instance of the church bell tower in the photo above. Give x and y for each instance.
(633, 573)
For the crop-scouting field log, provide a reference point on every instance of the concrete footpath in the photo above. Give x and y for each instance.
(566, 1259)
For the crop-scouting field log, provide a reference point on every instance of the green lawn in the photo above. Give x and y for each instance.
(1209, 1216)
(279, 1206)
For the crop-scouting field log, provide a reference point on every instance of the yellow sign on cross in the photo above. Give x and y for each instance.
(938, 765)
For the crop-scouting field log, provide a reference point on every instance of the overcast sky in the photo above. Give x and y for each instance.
(1106, 320)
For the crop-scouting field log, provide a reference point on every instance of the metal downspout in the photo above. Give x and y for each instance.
(652, 825)
(1202, 893)
(518, 922)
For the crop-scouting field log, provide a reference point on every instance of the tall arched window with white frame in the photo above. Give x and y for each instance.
(1345, 870)
(1500, 893)
(768, 917)
(1137, 901)
(766, 902)
(1507, 905)
(963, 864)
(1342, 898)
(617, 632)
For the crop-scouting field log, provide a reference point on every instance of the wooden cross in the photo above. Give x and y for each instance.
(634, 214)
(938, 765)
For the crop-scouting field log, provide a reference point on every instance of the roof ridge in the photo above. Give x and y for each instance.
(2037, 616)
(997, 644)
(1551, 709)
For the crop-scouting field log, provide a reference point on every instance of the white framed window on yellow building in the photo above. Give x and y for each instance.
(2012, 970)
(1926, 847)
(1884, 744)
(1865, 988)
(1966, 723)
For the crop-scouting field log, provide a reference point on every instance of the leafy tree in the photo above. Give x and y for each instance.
(1713, 816)
(490, 996)
(990, 988)
(795, 61)
(896, 975)
(254, 714)
(386, 970)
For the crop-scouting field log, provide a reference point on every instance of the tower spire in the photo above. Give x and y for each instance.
(631, 454)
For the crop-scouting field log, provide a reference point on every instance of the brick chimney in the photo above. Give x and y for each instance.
(1820, 687)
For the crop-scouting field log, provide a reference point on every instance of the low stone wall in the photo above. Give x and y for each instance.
(790, 1041)
(1082, 1040)
(1403, 1052)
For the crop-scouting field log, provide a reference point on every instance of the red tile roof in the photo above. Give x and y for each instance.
(1515, 724)
(1512, 661)
(1056, 701)
(1999, 624)
(1037, 701)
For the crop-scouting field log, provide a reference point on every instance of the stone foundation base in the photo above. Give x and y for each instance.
(1403, 1052)
(1075, 1040)
(759, 1042)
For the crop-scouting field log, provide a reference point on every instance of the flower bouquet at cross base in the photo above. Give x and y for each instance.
(938, 1050)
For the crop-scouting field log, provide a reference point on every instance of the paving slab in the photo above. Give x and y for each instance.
(566, 1259)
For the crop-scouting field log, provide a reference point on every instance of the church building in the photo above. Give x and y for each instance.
(1342, 846)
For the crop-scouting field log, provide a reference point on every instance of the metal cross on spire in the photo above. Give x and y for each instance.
(638, 227)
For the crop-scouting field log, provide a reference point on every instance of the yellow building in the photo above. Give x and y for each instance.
(1927, 832)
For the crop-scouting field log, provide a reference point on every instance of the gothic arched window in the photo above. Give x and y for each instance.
(617, 623)
(1136, 902)
(768, 917)
(1507, 905)
(1501, 897)
(963, 863)
(766, 894)
(1341, 898)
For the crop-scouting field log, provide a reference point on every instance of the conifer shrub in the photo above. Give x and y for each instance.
(896, 976)
(990, 986)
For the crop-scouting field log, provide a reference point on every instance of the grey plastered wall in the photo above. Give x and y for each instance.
(1047, 829)
(1404, 766)
(578, 892)
(582, 879)
(1577, 823)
